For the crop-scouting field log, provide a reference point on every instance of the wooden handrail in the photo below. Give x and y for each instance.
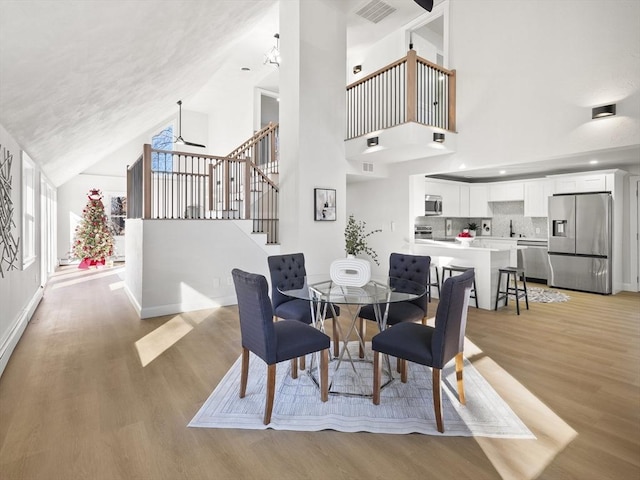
(399, 62)
(435, 66)
(377, 72)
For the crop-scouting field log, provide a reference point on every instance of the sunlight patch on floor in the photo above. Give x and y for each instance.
(152, 345)
(520, 459)
(87, 276)
(116, 285)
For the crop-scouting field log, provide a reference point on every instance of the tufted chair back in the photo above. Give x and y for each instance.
(256, 315)
(451, 318)
(286, 271)
(414, 268)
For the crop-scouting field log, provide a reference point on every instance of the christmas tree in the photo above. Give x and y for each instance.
(93, 240)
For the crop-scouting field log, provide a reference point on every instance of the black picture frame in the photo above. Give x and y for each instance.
(324, 204)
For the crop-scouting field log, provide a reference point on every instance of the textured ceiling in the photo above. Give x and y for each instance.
(79, 79)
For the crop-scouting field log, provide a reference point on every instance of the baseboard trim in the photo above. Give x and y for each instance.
(160, 310)
(133, 300)
(19, 327)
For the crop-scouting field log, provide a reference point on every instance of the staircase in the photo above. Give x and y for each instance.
(164, 184)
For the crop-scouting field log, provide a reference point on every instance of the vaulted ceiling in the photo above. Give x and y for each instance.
(78, 79)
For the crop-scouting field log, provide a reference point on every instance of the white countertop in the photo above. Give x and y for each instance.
(475, 245)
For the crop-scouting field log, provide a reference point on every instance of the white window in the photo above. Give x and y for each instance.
(28, 211)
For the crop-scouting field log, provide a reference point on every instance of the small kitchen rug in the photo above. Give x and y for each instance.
(544, 295)
(404, 407)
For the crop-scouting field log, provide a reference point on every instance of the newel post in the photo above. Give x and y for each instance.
(412, 94)
(146, 181)
(452, 101)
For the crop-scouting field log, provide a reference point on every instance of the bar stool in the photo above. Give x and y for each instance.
(459, 269)
(514, 290)
(431, 283)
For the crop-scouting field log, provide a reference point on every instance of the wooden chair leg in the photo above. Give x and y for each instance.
(437, 400)
(377, 377)
(244, 373)
(324, 375)
(361, 332)
(271, 388)
(403, 370)
(303, 363)
(336, 338)
(459, 367)
(294, 368)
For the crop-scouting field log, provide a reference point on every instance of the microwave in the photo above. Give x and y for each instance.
(432, 205)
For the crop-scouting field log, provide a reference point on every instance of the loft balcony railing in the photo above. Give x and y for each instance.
(411, 89)
(164, 184)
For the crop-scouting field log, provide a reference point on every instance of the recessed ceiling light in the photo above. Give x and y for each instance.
(502, 172)
(593, 162)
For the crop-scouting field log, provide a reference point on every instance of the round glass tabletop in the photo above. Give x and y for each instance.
(384, 290)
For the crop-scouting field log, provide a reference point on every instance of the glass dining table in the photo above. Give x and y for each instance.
(350, 374)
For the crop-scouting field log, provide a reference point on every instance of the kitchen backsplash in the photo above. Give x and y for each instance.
(503, 212)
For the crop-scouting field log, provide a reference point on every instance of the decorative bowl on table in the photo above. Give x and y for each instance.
(465, 239)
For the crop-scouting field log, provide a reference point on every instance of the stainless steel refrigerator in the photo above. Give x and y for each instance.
(580, 242)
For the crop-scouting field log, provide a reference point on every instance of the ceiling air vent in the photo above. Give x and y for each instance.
(367, 167)
(375, 10)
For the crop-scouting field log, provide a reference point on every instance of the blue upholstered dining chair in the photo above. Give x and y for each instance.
(274, 342)
(288, 271)
(431, 346)
(414, 268)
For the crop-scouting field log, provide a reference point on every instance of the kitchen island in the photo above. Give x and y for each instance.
(484, 256)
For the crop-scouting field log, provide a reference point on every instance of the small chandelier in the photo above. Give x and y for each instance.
(273, 55)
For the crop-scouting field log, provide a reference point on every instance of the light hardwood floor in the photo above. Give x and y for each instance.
(77, 403)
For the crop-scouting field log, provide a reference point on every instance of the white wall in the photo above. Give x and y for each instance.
(20, 289)
(529, 95)
(195, 128)
(312, 126)
(180, 265)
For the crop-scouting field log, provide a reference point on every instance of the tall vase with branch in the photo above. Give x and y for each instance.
(355, 237)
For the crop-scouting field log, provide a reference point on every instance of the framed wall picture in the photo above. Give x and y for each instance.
(448, 227)
(486, 226)
(324, 204)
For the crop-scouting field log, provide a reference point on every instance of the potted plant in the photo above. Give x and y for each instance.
(356, 239)
(472, 227)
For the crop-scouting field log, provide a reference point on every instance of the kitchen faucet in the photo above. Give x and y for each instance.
(511, 232)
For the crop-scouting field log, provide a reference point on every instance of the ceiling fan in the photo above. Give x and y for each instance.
(179, 140)
(426, 4)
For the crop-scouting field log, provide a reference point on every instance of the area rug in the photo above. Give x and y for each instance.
(544, 295)
(404, 408)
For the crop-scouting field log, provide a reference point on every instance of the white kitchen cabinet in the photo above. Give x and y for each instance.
(536, 193)
(506, 191)
(479, 201)
(464, 201)
(582, 183)
(450, 193)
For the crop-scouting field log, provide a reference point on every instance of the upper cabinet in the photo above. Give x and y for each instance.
(506, 191)
(479, 200)
(464, 201)
(583, 183)
(536, 194)
(450, 193)
(473, 200)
